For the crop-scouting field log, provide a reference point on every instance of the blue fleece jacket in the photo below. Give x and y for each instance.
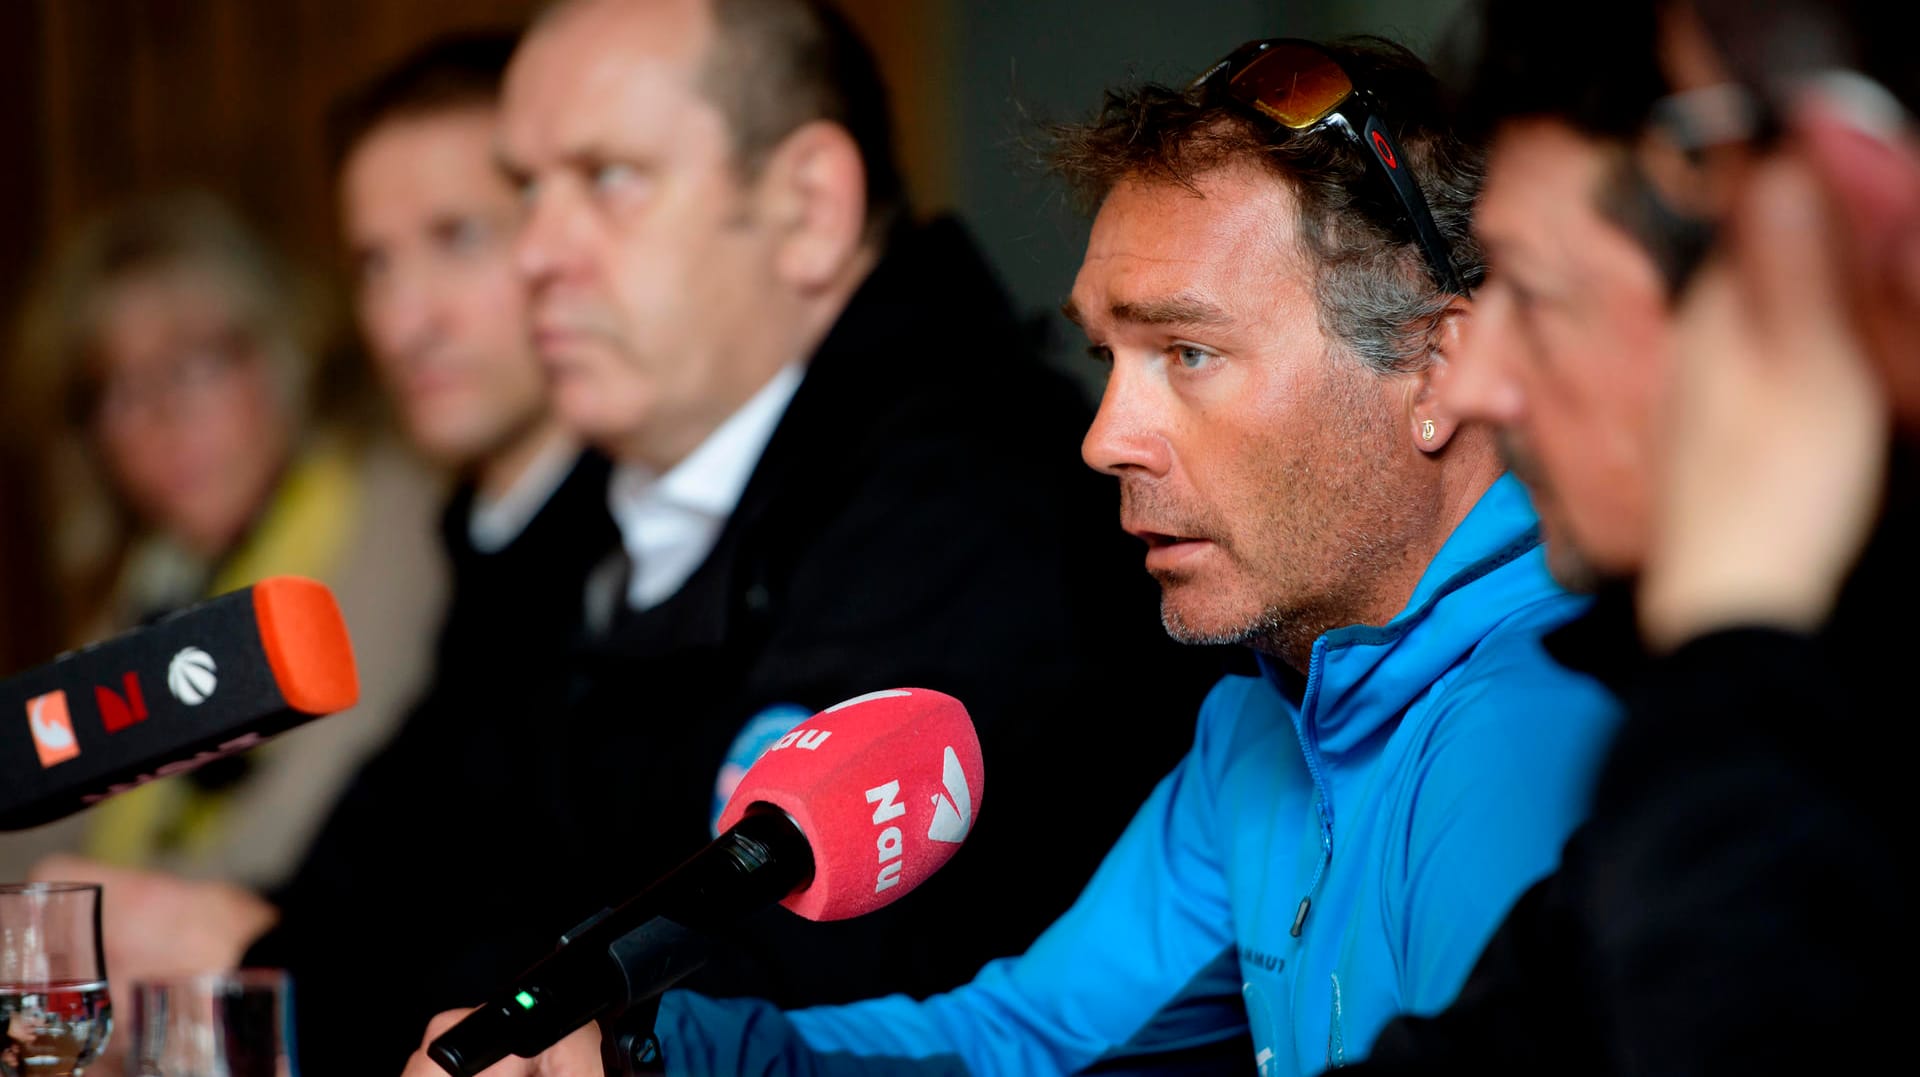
(1325, 858)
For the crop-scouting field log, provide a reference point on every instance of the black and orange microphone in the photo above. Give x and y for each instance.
(208, 681)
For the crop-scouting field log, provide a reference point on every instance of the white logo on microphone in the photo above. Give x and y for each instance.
(190, 676)
(47, 729)
(953, 813)
(885, 693)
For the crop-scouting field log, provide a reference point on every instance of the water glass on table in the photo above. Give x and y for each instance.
(54, 1013)
(221, 1024)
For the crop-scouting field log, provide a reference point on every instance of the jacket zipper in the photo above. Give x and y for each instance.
(1322, 801)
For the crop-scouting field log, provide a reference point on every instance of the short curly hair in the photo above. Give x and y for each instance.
(1373, 288)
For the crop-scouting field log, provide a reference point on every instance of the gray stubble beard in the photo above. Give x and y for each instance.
(1259, 631)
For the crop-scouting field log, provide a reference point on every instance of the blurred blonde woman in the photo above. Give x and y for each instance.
(166, 365)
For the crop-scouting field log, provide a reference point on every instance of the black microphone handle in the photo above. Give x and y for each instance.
(125, 721)
(634, 952)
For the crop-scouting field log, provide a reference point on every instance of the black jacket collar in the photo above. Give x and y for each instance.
(880, 360)
(1603, 643)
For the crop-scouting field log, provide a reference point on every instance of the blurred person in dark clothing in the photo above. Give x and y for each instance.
(429, 223)
(1574, 342)
(165, 376)
(1739, 901)
(840, 466)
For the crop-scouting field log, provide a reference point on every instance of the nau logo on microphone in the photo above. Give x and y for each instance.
(52, 727)
(890, 842)
(805, 739)
(953, 813)
(952, 818)
(190, 676)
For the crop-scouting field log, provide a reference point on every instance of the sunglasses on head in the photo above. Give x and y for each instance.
(1300, 87)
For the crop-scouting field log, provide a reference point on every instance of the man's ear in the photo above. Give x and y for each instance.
(814, 195)
(1432, 424)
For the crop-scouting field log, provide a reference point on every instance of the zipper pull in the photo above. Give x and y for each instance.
(1300, 916)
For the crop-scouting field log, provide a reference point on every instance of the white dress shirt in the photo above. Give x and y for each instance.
(669, 523)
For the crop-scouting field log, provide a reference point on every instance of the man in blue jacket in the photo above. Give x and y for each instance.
(1272, 303)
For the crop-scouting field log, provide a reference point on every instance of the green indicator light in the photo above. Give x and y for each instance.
(525, 1000)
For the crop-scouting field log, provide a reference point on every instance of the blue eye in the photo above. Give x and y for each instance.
(1191, 358)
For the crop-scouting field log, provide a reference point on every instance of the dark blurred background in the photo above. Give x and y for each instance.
(104, 99)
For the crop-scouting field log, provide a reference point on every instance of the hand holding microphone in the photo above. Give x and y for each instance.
(851, 810)
(578, 1055)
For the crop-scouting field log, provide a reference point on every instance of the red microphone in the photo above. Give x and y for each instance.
(904, 762)
(852, 809)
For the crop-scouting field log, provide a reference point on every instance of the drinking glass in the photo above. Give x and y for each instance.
(217, 1024)
(54, 1014)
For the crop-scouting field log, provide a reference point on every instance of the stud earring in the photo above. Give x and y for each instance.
(1426, 429)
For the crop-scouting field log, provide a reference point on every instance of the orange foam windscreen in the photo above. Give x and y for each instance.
(305, 638)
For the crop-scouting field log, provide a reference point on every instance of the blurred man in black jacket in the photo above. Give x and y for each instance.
(839, 467)
(429, 226)
(1739, 901)
(429, 223)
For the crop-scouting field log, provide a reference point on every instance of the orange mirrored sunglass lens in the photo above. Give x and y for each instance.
(1296, 87)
